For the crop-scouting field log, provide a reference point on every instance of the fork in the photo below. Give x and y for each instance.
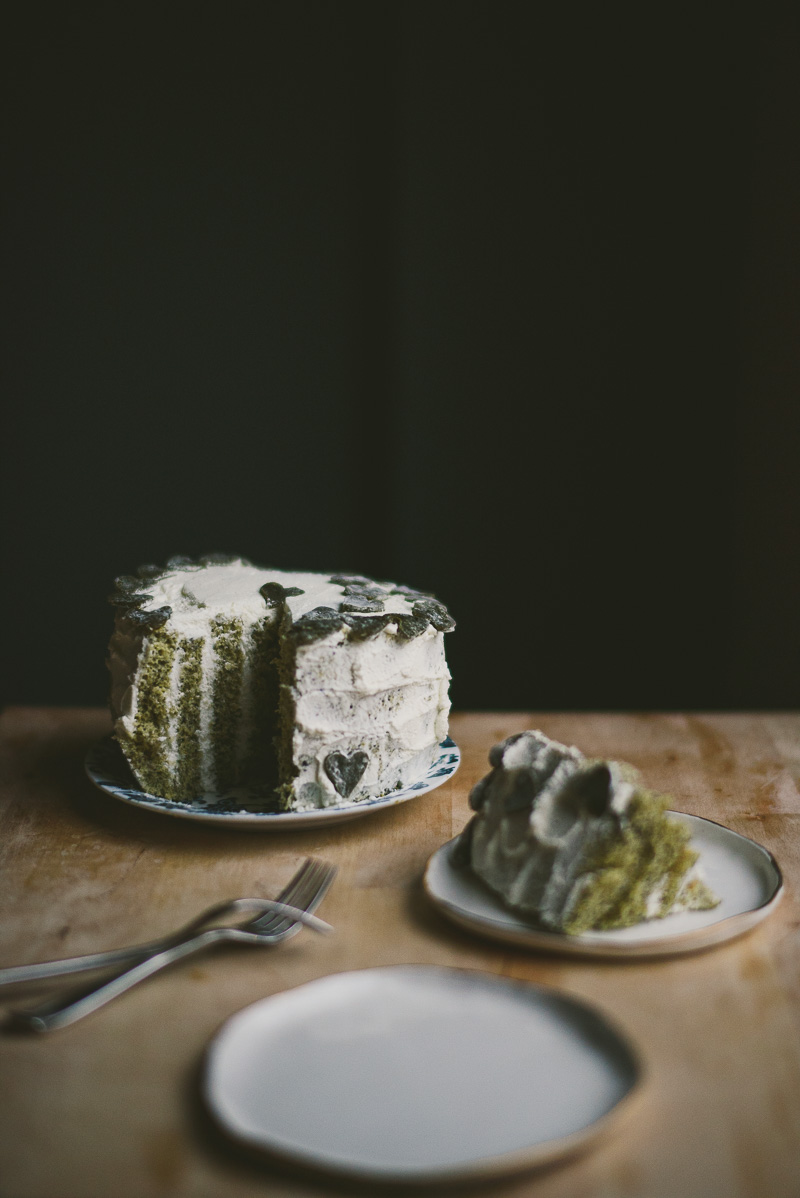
(14, 974)
(269, 928)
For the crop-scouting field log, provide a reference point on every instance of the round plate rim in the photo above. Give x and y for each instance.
(535, 1156)
(718, 932)
(264, 820)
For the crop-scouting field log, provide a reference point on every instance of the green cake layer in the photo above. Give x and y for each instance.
(621, 870)
(148, 748)
(188, 746)
(226, 703)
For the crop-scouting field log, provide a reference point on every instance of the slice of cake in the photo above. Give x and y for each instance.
(577, 844)
(322, 689)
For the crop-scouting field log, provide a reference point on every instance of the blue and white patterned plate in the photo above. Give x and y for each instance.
(244, 807)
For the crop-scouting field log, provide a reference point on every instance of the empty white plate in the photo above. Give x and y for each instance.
(742, 873)
(419, 1073)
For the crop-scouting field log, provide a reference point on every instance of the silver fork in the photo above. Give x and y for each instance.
(271, 928)
(267, 921)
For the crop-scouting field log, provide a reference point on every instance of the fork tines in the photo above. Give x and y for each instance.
(305, 891)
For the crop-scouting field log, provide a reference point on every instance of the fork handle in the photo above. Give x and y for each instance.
(42, 970)
(57, 1013)
(61, 1012)
(15, 974)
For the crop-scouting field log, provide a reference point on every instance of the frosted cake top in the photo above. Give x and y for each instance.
(189, 593)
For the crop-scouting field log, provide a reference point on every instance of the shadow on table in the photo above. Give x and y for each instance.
(433, 922)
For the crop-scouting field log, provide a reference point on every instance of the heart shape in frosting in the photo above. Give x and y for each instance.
(345, 770)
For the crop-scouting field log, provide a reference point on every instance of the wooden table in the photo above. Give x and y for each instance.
(109, 1107)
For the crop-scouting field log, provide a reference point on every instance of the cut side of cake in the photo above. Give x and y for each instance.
(577, 844)
(317, 689)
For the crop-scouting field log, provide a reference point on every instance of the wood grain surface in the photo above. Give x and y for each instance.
(109, 1108)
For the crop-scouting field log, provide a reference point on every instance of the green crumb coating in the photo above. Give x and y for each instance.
(698, 896)
(285, 736)
(187, 735)
(678, 869)
(260, 760)
(652, 849)
(285, 797)
(147, 748)
(226, 702)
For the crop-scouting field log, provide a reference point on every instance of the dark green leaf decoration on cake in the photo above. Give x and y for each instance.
(180, 562)
(365, 592)
(436, 613)
(149, 572)
(316, 624)
(410, 593)
(409, 626)
(148, 620)
(358, 604)
(352, 580)
(274, 594)
(221, 559)
(346, 770)
(126, 599)
(364, 627)
(127, 584)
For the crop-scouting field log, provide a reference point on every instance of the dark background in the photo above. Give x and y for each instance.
(500, 305)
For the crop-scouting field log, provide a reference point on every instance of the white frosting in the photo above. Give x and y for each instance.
(654, 898)
(206, 685)
(233, 590)
(386, 695)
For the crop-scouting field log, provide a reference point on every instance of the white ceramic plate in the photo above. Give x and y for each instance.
(419, 1074)
(744, 875)
(108, 769)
